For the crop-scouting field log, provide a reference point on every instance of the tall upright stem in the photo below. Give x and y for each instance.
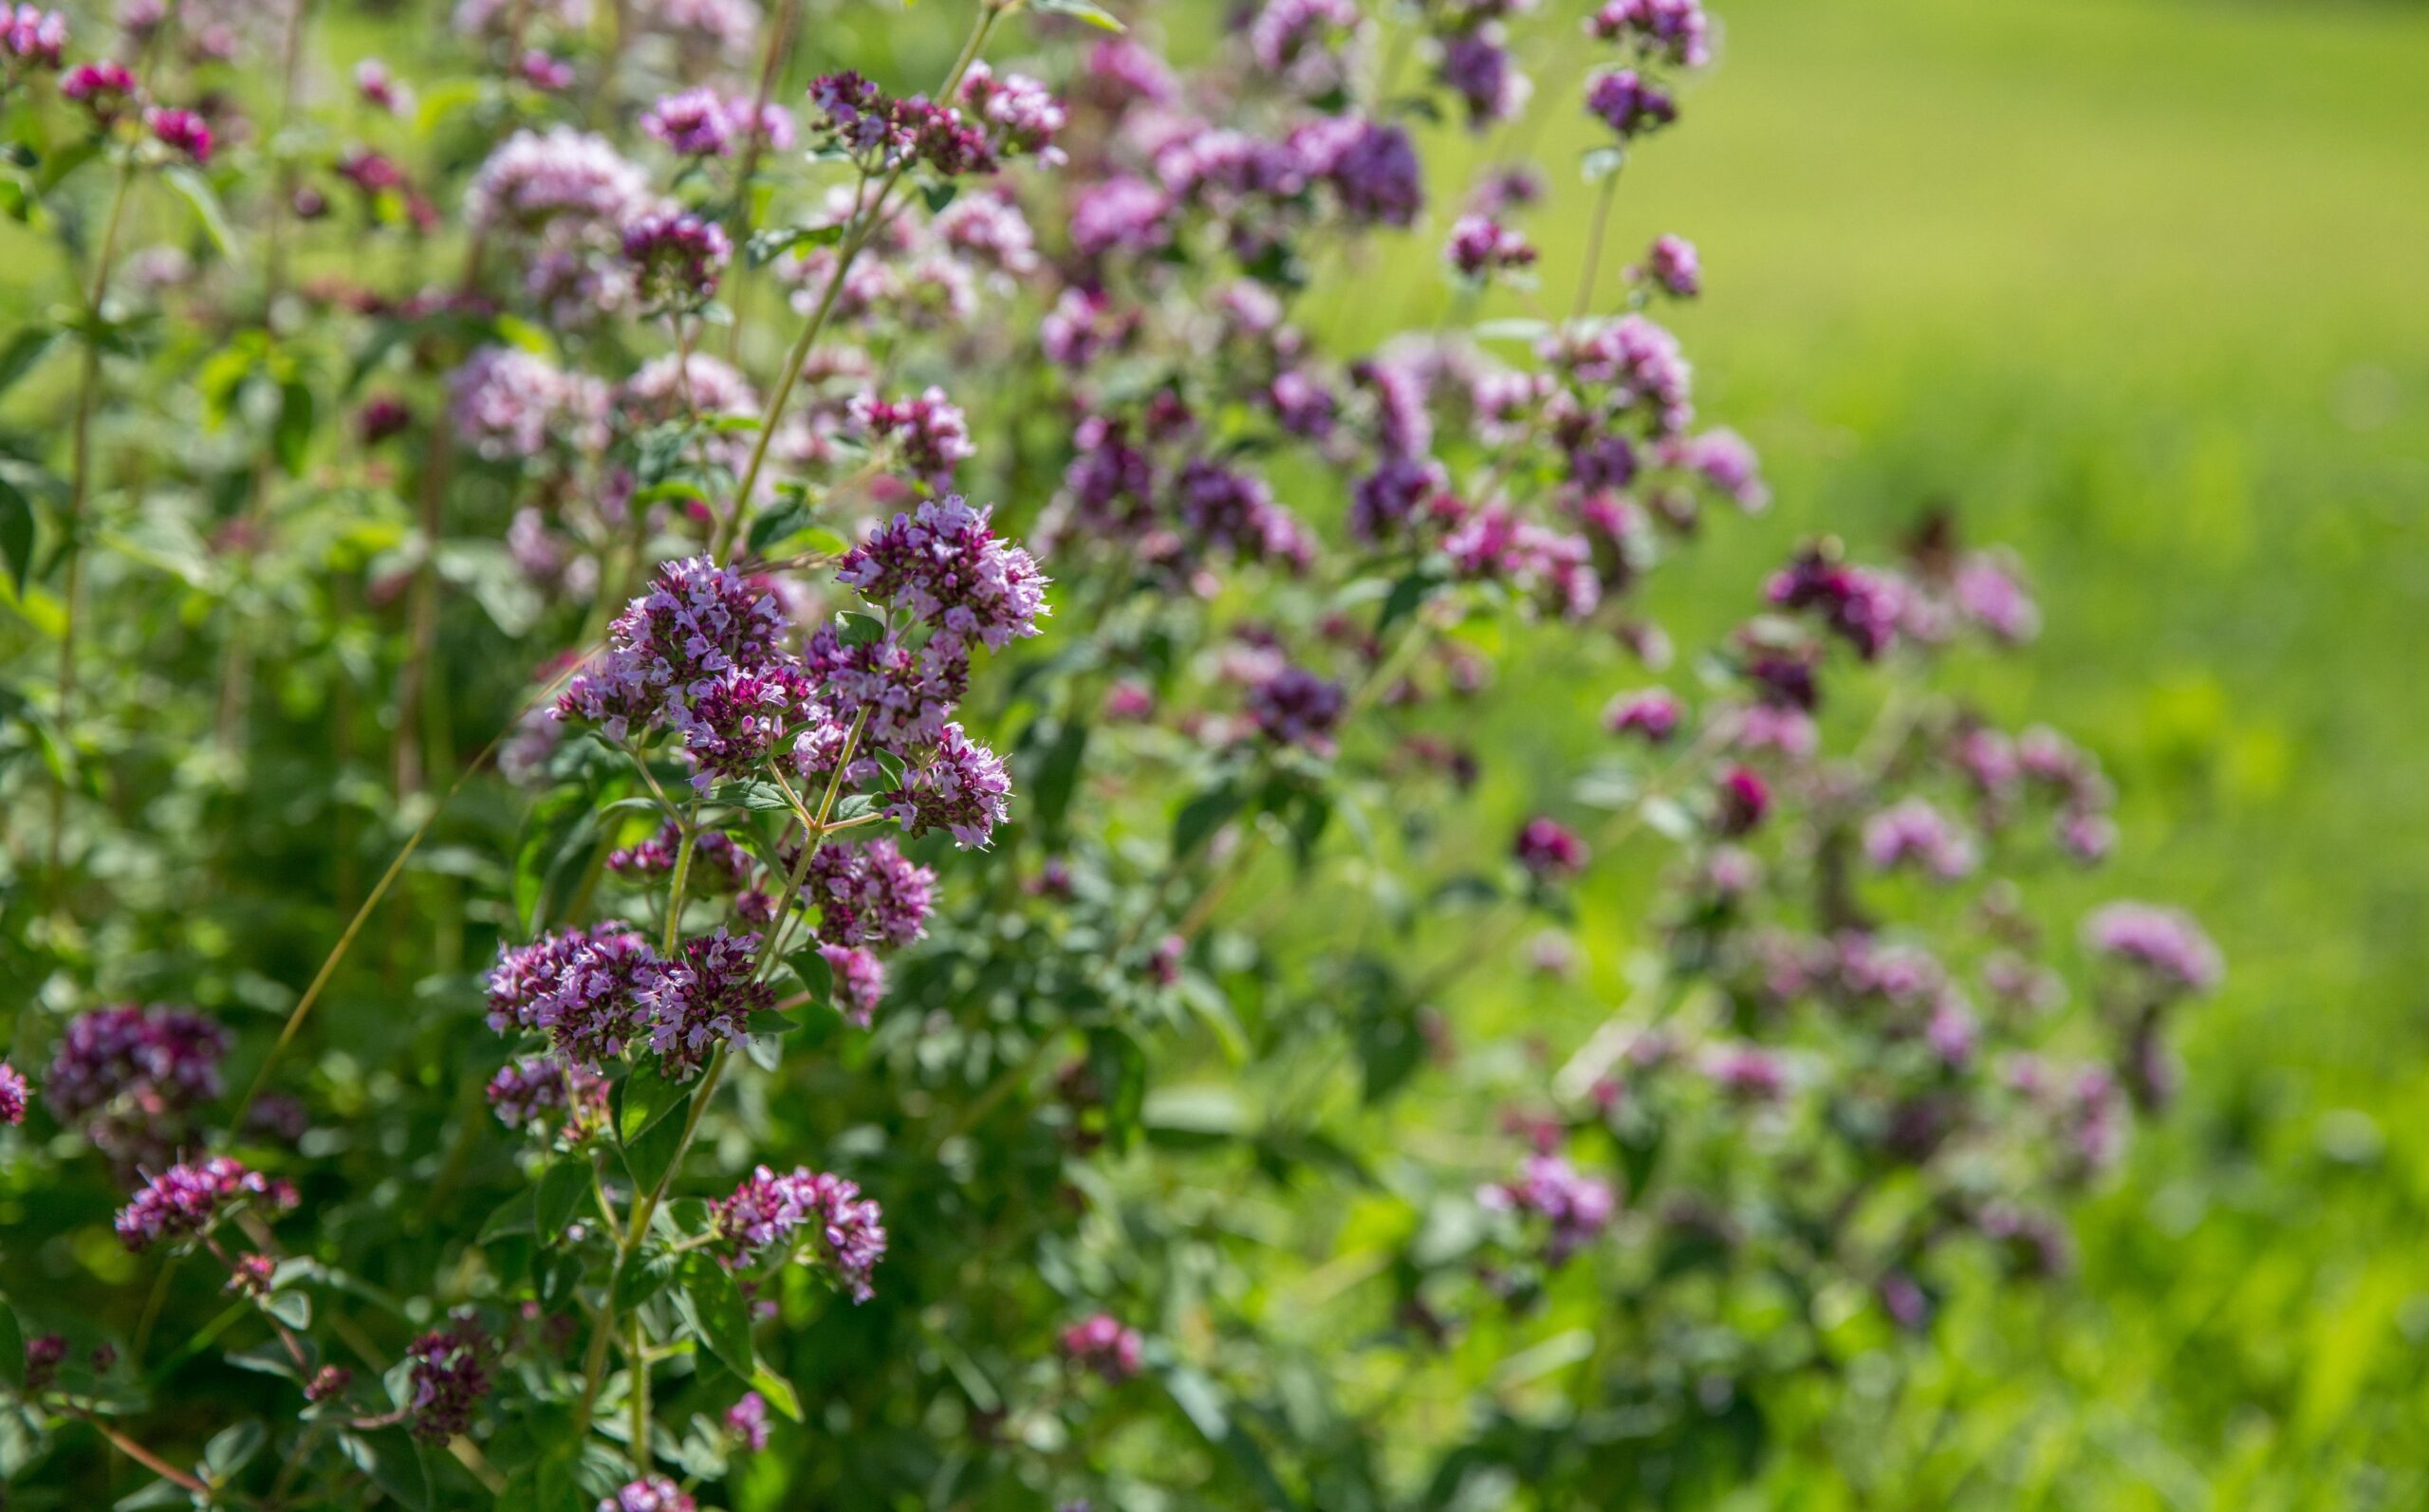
(772, 67)
(1594, 244)
(864, 226)
(79, 492)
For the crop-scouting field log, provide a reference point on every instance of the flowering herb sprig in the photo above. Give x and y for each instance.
(999, 827)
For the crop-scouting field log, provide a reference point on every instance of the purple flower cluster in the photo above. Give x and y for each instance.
(766, 1210)
(529, 1093)
(135, 1075)
(959, 786)
(508, 404)
(1548, 852)
(697, 621)
(1676, 31)
(103, 90)
(1103, 1344)
(13, 1095)
(746, 1422)
(944, 567)
(883, 132)
(1629, 103)
(1671, 266)
(31, 37)
(1862, 608)
(928, 431)
(1022, 114)
(2163, 942)
(651, 1493)
(185, 1201)
(1652, 714)
(180, 131)
(537, 180)
(860, 980)
(1295, 707)
(676, 257)
(1912, 832)
(579, 987)
(1575, 1207)
(449, 1376)
(1480, 246)
(867, 894)
(701, 998)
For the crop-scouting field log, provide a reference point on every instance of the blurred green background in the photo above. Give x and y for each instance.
(2141, 287)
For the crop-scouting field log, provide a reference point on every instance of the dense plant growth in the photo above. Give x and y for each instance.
(936, 993)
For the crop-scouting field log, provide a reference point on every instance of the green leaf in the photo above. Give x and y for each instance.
(650, 1156)
(160, 1493)
(643, 1278)
(859, 629)
(1078, 11)
(1201, 816)
(775, 524)
(293, 1308)
(816, 975)
(938, 195)
(712, 1310)
(1207, 1407)
(196, 191)
(562, 1186)
(756, 796)
(24, 353)
(294, 437)
(513, 1216)
(778, 1391)
(393, 1461)
(16, 536)
(1602, 162)
(13, 1349)
(1058, 776)
(232, 1448)
(643, 1098)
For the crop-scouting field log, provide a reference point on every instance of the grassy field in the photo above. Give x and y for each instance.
(2142, 286)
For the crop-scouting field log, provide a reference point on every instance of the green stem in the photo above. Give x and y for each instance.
(864, 224)
(1594, 244)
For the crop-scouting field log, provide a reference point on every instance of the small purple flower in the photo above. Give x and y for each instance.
(701, 998)
(1912, 830)
(13, 1095)
(327, 1383)
(1743, 800)
(1475, 66)
(44, 1354)
(930, 431)
(766, 1210)
(1231, 510)
(1102, 1344)
(31, 37)
(694, 123)
(1747, 1073)
(1294, 706)
(578, 988)
(186, 1201)
(1676, 31)
(1022, 114)
(377, 87)
(959, 786)
(1480, 246)
(1629, 104)
(859, 982)
(536, 179)
(449, 1378)
(1548, 852)
(945, 568)
(105, 90)
(1372, 168)
(134, 1075)
(678, 258)
(1862, 607)
(697, 620)
(2163, 942)
(1121, 214)
(1671, 266)
(746, 1422)
(1576, 1208)
(510, 404)
(527, 1093)
(868, 894)
(651, 1493)
(1653, 714)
